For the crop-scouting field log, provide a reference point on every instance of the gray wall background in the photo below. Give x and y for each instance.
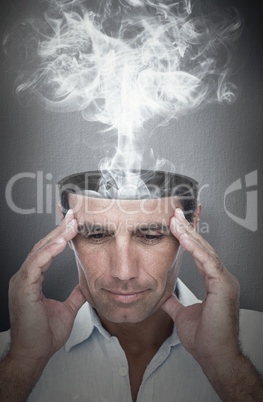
(216, 145)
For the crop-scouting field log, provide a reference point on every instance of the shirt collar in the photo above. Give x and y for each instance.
(87, 319)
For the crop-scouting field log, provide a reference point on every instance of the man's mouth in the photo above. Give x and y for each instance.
(126, 297)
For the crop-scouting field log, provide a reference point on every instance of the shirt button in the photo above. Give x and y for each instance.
(123, 371)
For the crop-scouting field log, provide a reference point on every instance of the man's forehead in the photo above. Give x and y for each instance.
(125, 225)
(147, 210)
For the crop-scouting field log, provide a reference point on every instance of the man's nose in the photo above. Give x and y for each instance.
(124, 260)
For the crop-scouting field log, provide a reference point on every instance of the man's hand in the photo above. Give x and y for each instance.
(39, 327)
(209, 330)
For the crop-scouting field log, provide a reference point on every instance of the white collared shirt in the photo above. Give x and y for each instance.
(93, 367)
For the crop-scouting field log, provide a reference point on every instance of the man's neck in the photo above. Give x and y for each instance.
(143, 336)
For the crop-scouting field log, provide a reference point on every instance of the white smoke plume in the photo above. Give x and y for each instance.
(125, 62)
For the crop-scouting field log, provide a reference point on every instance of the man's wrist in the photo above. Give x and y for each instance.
(234, 378)
(30, 367)
(18, 377)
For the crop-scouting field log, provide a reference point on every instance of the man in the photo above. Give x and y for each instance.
(124, 344)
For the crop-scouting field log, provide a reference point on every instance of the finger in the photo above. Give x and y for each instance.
(67, 224)
(173, 307)
(185, 225)
(207, 261)
(37, 264)
(75, 300)
(40, 261)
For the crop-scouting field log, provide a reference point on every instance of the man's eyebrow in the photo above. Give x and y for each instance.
(92, 227)
(152, 227)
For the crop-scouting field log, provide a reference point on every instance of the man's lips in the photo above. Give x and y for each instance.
(126, 297)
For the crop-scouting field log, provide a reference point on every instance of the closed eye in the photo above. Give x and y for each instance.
(150, 238)
(98, 237)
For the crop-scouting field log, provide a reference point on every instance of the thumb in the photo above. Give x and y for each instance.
(173, 307)
(75, 300)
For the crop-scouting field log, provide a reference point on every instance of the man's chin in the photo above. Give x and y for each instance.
(120, 309)
(124, 315)
(122, 318)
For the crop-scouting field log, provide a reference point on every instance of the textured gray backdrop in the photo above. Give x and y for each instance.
(216, 145)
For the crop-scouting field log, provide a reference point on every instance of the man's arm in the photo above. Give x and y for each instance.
(18, 377)
(234, 379)
(209, 330)
(39, 326)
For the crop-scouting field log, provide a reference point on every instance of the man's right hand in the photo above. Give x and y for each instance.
(39, 326)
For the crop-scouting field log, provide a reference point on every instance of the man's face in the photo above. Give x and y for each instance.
(125, 254)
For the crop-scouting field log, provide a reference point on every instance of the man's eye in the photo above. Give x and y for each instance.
(149, 238)
(97, 237)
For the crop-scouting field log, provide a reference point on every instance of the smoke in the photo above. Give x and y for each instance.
(124, 63)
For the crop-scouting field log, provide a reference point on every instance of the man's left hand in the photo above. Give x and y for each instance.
(208, 330)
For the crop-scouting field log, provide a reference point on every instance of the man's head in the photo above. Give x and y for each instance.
(125, 253)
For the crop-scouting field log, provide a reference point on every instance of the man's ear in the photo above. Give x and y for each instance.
(62, 217)
(197, 215)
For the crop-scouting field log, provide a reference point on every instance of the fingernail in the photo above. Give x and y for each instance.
(178, 225)
(71, 222)
(72, 225)
(179, 212)
(61, 240)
